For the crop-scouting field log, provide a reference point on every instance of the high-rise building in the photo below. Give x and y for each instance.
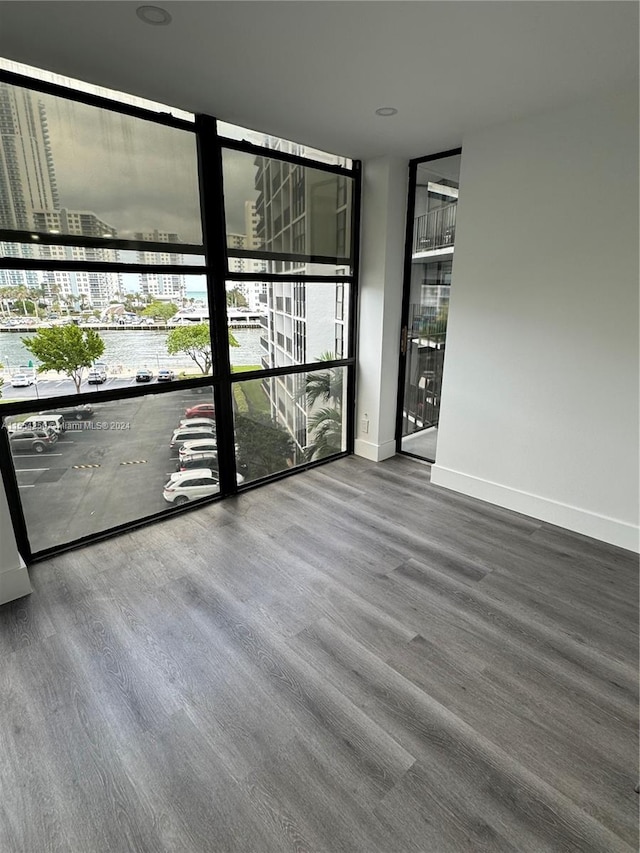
(237, 241)
(161, 286)
(27, 176)
(91, 289)
(251, 290)
(29, 200)
(300, 211)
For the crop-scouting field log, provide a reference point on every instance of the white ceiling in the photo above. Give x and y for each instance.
(315, 72)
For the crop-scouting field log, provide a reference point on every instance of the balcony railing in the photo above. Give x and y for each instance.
(435, 230)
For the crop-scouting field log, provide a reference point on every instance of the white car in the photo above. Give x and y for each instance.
(198, 445)
(97, 376)
(197, 422)
(186, 486)
(21, 380)
(214, 473)
(184, 434)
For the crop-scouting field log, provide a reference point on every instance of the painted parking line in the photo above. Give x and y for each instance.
(37, 455)
(20, 470)
(65, 441)
(25, 486)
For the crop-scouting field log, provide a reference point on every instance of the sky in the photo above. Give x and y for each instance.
(137, 175)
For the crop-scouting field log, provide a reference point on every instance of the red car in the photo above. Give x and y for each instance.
(202, 410)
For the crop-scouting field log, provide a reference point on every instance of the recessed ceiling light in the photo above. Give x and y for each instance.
(386, 111)
(153, 15)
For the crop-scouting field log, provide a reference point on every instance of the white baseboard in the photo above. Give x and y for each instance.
(374, 452)
(601, 527)
(14, 583)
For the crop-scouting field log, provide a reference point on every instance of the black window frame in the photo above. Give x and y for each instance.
(216, 273)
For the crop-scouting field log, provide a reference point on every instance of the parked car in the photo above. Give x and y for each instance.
(97, 375)
(202, 410)
(194, 422)
(198, 445)
(144, 375)
(46, 422)
(207, 459)
(189, 433)
(200, 466)
(21, 380)
(166, 376)
(32, 440)
(198, 459)
(191, 485)
(73, 413)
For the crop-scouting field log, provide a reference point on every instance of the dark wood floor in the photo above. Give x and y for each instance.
(348, 660)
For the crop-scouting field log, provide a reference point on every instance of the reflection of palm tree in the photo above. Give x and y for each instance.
(324, 424)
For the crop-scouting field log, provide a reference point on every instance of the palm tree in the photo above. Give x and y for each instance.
(324, 424)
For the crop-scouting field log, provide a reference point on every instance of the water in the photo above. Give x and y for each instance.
(136, 349)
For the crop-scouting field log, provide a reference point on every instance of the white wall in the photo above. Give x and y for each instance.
(384, 209)
(540, 394)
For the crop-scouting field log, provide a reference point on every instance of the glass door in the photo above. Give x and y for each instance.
(431, 231)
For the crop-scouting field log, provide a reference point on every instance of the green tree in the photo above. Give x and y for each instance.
(20, 299)
(264, 447)
(163, 310)
(66, 349)
(324, 424)
(195, 341)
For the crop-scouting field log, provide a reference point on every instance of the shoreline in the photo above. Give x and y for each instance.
(115, 327)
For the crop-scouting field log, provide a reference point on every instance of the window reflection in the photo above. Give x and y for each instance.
(285, 209)
(84, 469)
(285, 421)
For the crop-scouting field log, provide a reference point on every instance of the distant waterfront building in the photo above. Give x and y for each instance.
(170, 286)
(251, 290)
(29, 201)
(77, 289)
(237, 241)
(18, 278)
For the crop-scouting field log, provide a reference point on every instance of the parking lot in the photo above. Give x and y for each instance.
(102, 472)
(58, 387)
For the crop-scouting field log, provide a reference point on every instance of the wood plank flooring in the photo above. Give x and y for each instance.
(348, 660)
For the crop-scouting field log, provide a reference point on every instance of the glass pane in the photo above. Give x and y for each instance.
(434, 228)
(285, 421)
(233, 131)
(298, 323)
(276, 207)
(74, 169)
(287, 268)
(143, 328)
(81, 470)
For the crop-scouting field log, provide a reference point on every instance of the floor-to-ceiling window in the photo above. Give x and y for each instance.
(431, 229)
(176, 308)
